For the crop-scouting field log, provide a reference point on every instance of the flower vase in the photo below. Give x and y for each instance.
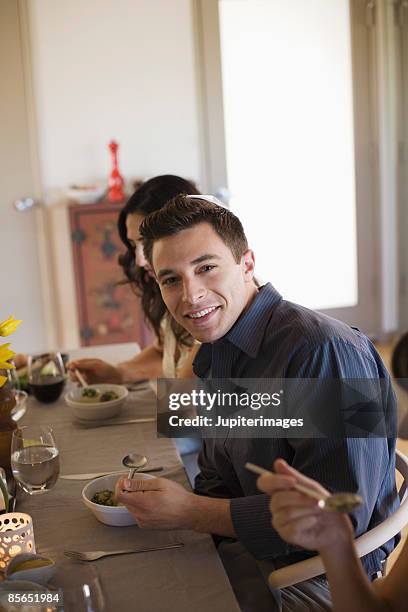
(7, 425)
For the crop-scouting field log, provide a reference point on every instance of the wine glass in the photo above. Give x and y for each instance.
(81, 588)
(34, 458)
(12, 378)
(46, 376)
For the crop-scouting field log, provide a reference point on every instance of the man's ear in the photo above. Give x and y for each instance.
(248, 264)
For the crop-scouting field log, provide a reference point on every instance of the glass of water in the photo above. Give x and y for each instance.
(34, 458)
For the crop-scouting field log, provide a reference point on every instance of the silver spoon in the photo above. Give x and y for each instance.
(337, 502)
(134, 462)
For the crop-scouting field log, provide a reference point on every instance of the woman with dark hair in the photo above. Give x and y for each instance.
(172, 354)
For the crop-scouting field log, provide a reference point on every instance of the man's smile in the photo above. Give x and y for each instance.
(199, 314)
(200, 317)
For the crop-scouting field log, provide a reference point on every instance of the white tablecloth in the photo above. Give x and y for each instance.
(188, 579)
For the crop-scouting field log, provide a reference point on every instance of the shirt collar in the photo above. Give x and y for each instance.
(249, 330)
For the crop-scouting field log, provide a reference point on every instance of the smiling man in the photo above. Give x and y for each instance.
(205, 271)
(212, 283)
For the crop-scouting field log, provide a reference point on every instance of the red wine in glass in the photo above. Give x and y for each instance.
(46, 376)
(48, 389)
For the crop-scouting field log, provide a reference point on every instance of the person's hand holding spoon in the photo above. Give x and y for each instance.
(337, 502)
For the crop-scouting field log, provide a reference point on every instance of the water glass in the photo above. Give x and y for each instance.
(34, 458)
(12, 378)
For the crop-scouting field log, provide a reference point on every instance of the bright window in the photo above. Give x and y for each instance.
(288, 108)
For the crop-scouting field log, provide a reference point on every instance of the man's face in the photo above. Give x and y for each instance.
(202, 285)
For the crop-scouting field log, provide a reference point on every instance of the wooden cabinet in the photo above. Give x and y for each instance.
(106, 311)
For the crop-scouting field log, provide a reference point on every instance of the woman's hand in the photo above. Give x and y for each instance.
(95, 371)
(297, 517)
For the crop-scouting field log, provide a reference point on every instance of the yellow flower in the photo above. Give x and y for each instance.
(9, 326)
(5, 355)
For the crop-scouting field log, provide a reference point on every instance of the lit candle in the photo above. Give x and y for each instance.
(16, 536)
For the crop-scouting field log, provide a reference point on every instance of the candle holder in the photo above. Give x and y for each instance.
(16, 536)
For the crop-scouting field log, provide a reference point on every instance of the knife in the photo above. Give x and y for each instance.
(89, 424)
(159, 468)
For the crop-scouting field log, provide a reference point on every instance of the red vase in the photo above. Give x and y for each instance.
(116, 182)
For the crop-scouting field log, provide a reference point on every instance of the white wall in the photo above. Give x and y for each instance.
(20, 285)
(121, 69)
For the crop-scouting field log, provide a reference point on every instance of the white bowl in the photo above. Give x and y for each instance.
(96, 411)
(117, 516)
(40, 575)
(86, 194)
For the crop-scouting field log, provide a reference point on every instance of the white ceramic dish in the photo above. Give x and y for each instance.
(96, 411)
(116, 516)
(86, 194)
(39, 575)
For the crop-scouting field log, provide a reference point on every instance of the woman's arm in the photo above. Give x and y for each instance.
(146, 364)
(393, 589)
(299, 521)
(350, 588)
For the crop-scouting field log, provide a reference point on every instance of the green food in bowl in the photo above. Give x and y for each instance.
(108, 396)
(90, 392)
(93, 395)
(104, 498)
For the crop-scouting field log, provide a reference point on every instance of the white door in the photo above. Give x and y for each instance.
(20, 278)
(289, 111)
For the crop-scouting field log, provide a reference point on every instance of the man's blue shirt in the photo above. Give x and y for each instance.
(274, 338)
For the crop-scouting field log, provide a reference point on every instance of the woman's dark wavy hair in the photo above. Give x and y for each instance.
(150, 197)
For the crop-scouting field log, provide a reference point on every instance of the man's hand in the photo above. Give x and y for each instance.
(95, 371)
(159, 503)
(156, 503)
(297, 517)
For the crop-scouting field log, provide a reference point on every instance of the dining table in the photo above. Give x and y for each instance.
(182, 579)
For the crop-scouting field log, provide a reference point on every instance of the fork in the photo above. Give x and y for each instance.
(99, 554)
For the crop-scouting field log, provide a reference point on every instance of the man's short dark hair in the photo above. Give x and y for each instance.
(184, 212)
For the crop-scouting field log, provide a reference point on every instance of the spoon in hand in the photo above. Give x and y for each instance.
(337, 502)
(134, 462)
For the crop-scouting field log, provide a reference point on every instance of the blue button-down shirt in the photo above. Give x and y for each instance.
(278, 339)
